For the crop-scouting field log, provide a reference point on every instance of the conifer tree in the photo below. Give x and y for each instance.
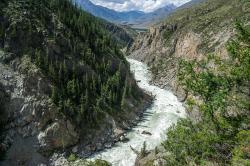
(124, 94)
(55, 95)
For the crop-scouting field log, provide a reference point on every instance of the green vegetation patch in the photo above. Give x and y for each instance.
(89, 75)
(222, 137)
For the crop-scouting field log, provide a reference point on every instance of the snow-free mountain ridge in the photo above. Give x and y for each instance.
(135, 18)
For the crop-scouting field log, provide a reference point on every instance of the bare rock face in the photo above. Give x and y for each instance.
(154, 158)
(33, 118)
(58, 134)
(162, 53)
(186, 46)
(184, 35)
(61, 162)
(35, 125)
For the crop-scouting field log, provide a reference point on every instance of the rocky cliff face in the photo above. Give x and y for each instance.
(34, 122)
(189, 33)
(34, 125)
(124, 35)
(163, 57)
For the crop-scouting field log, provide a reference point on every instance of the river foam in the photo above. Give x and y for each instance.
(164, 112)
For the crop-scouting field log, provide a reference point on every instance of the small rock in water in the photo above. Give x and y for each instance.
(146, 133)
(123, 139)
(178, 111)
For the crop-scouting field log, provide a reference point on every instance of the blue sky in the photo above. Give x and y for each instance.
(142, 5)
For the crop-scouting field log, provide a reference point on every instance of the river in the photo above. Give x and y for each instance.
(164, 112)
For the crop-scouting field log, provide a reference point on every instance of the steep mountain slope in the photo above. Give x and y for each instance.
(189, 33)
(136, 18)
(63, 82)
(123, 35)
(106, 13)
(190, 4)
(153, 17)
(191, 54)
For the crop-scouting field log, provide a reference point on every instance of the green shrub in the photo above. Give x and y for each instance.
(72, 157)
(221, 137)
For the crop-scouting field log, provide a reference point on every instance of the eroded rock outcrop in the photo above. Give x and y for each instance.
(57, 135)
(162, 55)
(190, 33)
(31, 115)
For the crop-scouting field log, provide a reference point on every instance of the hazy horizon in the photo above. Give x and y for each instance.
(137, 5)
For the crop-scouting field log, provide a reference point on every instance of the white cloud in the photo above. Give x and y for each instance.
(142, 5)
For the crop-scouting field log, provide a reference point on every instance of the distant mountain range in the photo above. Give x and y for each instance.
(137, 19)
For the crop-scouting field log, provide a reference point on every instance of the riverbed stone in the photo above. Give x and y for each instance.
(146, 132)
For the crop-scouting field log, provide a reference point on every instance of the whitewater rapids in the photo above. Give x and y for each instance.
(164, 112)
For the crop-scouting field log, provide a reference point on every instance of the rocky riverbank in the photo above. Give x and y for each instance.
(36, 123)
(106, 140)
(109, 134)
(61, 86)
(33, 122)
(190, 33)
(162, 55)
(165, 111)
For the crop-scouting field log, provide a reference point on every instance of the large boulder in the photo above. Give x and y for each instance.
(60, 134)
